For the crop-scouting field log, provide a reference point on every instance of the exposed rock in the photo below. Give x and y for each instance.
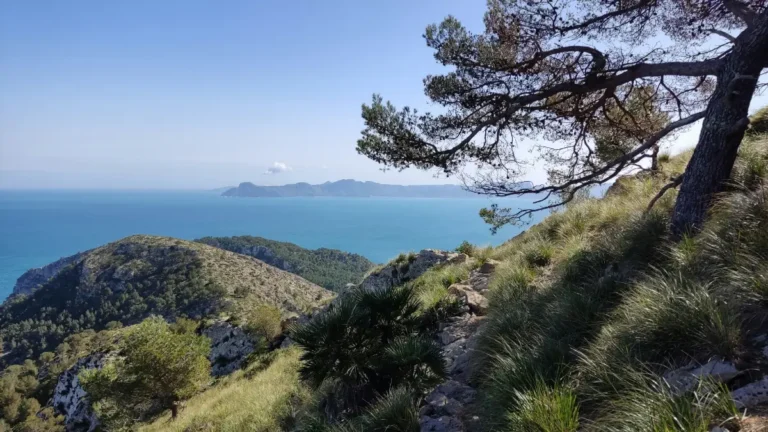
(229, 347)
(458, 289)
(488, 267)
(71, 400)
(477, 302)
(33, 278)
(752, 394)
(685, 378)
(458, 259)
(459, 391)
(438, 404)
(440, 424)
(479, 281)
(443, 408)
(397, 273)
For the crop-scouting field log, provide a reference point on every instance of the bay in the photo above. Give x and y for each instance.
(38, 227)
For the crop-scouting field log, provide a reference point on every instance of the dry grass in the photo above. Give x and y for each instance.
(237, 403)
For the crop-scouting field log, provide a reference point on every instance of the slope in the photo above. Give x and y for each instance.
(329, 268)
(140, 275)
(599, 321)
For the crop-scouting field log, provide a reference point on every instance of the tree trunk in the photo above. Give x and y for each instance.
(723, 128)
(174, 410)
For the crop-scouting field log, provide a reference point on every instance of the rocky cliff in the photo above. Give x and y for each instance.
(36, 277)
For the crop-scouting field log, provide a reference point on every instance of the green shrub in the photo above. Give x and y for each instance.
(651, 406)
(665, 319)
(263, 322)
(159, 368)
(366, 343)
(546, 409)
(466, 248)
(758, 122)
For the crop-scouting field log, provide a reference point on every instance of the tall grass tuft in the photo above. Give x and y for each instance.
(545, 409)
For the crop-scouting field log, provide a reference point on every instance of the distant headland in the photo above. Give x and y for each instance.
(351, 188)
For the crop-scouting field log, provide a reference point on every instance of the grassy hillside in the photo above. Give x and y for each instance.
(253, 399)
(591, 307)
(130, 279)
(330, 268)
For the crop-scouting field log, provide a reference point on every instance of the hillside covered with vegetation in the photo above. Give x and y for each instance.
(330, 268)
(589, 312)
(138, 276)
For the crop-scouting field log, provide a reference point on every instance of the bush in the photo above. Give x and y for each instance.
(546, 409)
(758, 122)
(159, 369)
(367, 343)
(263, 322)
(466, 248)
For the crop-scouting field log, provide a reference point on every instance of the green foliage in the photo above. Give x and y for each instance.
(172, 285)
(329, 268)
(263, 322)
(366, 343)
(393, 412)
(158, 368)
(431, 288)
(263, 400)
(545, 409)
(651, 406)
(466, 248)
(758, 122)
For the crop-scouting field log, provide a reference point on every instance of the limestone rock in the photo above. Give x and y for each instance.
(440, 424)
(488, 267)
(229, 347)
(71, 400)
(458, 259)
(685, 379)
(752, 394)
(458, 289)
(479, 281)
(394, 273)
(477, 302)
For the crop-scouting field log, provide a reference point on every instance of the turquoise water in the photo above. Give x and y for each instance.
(37, 227)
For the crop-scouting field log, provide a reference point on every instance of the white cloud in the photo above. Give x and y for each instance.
(277, 168)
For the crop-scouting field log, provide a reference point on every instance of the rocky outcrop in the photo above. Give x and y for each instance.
(71, 400)
(34, 278)
(229, 347)
(444, 409)
(686, 378)
(408, 268)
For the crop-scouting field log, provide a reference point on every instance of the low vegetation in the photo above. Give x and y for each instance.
(158, 367)
(128, 280)
(589, 309)
(330, 268)
(264, 397)
(366, 354)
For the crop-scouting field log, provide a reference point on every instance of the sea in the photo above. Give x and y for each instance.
(38, 227)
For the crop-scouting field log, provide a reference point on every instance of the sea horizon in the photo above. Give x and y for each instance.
(40, 226)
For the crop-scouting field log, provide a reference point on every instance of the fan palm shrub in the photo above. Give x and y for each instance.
(365, 344)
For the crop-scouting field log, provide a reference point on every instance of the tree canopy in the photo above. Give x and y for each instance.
(160, 366)
(595, 85)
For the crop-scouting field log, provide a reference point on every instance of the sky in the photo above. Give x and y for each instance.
(205, 94)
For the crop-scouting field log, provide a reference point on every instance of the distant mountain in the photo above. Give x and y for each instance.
(220, 189)
(330, 268)
(351, 188)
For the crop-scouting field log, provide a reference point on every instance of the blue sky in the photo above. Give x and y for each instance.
(202, 94)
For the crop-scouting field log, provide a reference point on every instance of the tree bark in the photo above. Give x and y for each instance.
(174, 410)
(723, 128)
